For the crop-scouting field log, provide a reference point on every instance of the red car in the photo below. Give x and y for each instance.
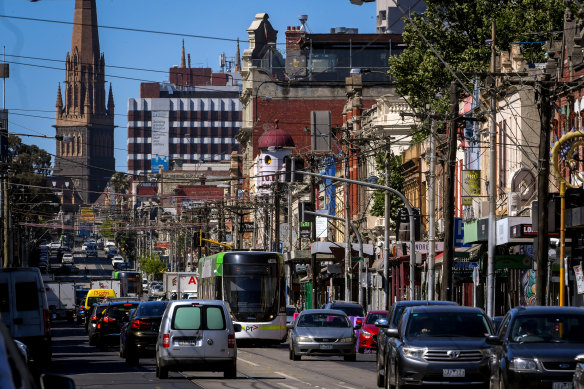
(368, 333)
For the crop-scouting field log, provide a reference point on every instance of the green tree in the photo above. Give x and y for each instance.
(152, 265)
(107, 229)
(458, 30)
(396, 181)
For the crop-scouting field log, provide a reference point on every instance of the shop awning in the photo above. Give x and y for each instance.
(336, 248)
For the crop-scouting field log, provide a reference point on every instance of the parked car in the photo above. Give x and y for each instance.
(322, 332)
(537, 344)
(140, 331)
(391, 321)
(25, 311)
(110, 324)
(440, 345)
(91, 251)
(367, 339)
(205, 324)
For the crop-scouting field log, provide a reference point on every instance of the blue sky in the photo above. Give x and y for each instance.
(31, 90)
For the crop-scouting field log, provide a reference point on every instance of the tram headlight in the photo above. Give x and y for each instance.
(271, 317)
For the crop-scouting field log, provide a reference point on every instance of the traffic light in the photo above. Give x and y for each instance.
(298, 165)
(304, 217)
(197, 239)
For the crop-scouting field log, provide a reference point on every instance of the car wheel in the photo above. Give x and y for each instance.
(293, 355)
(122, 350)
(231, 371)
(350, 358)
(380, 380)
(161, 372)
(388, 384)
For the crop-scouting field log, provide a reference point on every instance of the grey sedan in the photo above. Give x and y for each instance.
(322, 332)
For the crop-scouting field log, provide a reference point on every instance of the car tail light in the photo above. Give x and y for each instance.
(141, 325)
(359, 321)
(231, 341)
(93, 318)
(98, 326)
(108, 319)
(166, 340)
(47, 321)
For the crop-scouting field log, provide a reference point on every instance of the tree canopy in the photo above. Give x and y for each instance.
(459, 31)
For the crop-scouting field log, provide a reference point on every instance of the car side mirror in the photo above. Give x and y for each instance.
(56, 381)
(290, 325)
(381, 323)
(391, 332)
(236, 327)
(494, 340)
(579, 358)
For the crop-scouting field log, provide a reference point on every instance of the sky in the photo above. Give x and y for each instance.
(36, 50)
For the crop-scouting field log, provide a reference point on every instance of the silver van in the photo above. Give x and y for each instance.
(196, 335)
(25, 311)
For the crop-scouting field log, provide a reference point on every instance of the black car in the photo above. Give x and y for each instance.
(93, 318)
(440, 345)
(394, 315)
(537, 347)
(139, 331)
(110, 324)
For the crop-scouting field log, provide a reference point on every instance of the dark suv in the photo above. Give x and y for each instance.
(536, 347)
(393, 317)
(440, 346)
(110, 324)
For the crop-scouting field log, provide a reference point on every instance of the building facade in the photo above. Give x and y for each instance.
(85, 122)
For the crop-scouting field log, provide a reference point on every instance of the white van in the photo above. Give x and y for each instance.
(25, 311)
(196, 335)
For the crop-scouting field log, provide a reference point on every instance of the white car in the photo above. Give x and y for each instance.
(117, 261)
(68, 258)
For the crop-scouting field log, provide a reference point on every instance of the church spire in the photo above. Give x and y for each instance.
(59, 100)
(85, 36)
(110, 102)
(182, 56)
(237, 58)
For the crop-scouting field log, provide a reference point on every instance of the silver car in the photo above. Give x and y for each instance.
(196, 335)
(322, 332)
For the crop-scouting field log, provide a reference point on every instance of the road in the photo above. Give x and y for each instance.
(256, 368)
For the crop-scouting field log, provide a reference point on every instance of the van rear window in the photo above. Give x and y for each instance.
(4, 299)
(27, 296)
(198, 317)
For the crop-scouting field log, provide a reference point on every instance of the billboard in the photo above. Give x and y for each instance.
(160, 131)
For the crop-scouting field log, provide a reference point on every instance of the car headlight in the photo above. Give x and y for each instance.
(346, 340)
(366, 333)
(302, 339)
(523, 364)
(414, 352)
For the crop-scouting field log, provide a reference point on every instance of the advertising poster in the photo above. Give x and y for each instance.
(471, 185)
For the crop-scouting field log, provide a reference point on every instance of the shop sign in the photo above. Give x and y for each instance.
(513, 262)
(579, 280)
(522, 231)
(305, 230)
(464, 265)
(471, 185)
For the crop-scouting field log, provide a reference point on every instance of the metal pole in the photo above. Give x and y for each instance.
(562, 242)
(387, 211)
(431, 213)
(347, 234)
(492, 185)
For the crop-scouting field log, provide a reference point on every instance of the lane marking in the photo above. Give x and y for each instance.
(287, 386)
(292, 378)
(346, 387)
(251, 363)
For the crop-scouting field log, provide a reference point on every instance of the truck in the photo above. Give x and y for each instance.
(61, 299)
(180, 285)
(116, 285)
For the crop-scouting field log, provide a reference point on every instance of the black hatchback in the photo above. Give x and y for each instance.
(536, 347)
(110, 324)
(140, 331)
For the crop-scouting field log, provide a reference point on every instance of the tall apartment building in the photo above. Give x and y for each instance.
(194, 118)
(390, 16)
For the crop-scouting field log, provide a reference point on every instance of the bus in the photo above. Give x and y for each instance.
(253, 284)
(131, 282)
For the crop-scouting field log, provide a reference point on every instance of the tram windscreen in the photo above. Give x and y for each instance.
(252, 291)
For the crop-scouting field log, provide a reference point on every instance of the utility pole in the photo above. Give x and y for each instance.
(492, 188)
(431, 212)
(277, 212)
(543, 195)
(289, 268)
(348, 278)
(448, 258)
(387, 212)
(313, 266)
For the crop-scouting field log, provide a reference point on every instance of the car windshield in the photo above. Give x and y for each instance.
(323, 320)
(152, 308)
(290, 311)
(448, 324)
(373, 317)
(350, 310)
(548, 328)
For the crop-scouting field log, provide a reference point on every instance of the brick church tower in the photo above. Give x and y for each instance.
(85, 153)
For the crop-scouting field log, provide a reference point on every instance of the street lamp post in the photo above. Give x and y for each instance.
(406, 203)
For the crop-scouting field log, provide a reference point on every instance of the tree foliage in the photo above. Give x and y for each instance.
(458, 31)
(396, 181)
(107, 229)
(152, 265)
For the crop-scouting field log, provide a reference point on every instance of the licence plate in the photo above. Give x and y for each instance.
(186, 342)
(562, 385)
(326, 347)
(453, 372)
